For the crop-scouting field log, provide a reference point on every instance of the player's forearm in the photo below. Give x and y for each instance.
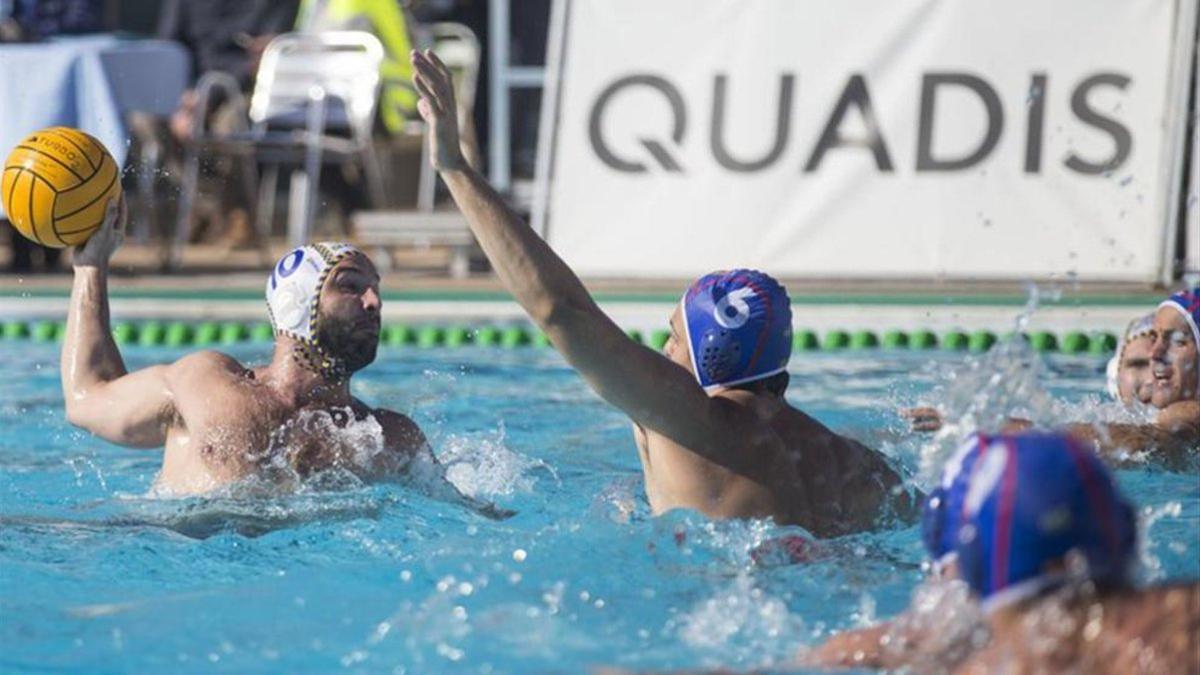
(89, 354)
(538, 279)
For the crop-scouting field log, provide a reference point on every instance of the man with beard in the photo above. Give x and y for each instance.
(219, 421)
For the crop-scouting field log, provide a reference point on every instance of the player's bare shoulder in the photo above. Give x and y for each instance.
(205, 374)
(400, 433)
(207, 364)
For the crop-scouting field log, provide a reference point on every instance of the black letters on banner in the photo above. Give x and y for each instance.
(783, 127)
(855, 94)
(1037, 119)
(656, 149)
(1122, 140)
(929, 86)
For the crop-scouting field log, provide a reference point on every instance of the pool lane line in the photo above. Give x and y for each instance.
(154, 333)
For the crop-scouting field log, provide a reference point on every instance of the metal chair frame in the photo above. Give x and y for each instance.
(300, 73)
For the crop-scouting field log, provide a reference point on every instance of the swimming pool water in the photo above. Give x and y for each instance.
(96, 576)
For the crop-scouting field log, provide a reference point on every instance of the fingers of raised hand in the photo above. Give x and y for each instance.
(436, 61)
(436, 75)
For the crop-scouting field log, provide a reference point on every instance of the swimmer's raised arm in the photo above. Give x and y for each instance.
(101, 396)
(652, 390)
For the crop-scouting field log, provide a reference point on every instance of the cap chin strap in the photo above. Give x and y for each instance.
(311, 356)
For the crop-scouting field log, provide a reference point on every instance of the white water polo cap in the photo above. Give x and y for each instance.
(294, 287)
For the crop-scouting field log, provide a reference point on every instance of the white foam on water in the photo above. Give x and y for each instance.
(739, 624)
(481, 465)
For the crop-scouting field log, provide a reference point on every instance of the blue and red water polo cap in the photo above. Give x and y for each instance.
(739, 327)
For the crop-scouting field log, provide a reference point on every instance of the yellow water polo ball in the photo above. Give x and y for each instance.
(56, 185)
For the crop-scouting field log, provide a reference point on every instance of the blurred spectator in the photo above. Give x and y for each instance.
(387, 21)
(10, 30)
(39, 19)
(224, 36)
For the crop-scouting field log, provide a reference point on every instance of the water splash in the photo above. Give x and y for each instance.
(482, 466)
(987, 391)
(740, 624)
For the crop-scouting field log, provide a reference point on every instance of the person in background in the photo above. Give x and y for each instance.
(40, 19)
(1173, 344)
(226, 36)
(1128, 372)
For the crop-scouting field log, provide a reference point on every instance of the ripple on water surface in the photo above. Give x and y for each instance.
(98, 575)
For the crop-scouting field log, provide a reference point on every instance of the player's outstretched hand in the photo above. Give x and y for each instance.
(437, 107)
(99, 248)
(923, 419)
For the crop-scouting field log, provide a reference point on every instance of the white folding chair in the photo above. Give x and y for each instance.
(314, 100)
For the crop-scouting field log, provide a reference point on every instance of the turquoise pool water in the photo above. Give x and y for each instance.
(95, 576)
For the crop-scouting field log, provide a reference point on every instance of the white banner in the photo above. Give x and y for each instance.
(991, 139)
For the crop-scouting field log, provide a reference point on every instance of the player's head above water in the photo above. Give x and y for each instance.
(1129, 375)
(1175, 356)
(1039, 509)
(733, 329)
(942, 513)
(325, 298)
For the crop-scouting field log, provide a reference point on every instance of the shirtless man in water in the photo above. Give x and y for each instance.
(1166, 359)
(713, 429)
(219, 421)
(1045, 545)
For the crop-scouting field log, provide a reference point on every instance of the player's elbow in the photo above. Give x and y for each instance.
(78, 413)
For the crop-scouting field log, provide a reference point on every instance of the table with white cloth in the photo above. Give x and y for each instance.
(89, 83)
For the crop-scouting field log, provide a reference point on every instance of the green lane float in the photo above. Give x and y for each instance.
(835, 339)
(178, 334)
(430, 336)
(124, 332)
(863, 339)
(154, 333)
(262, 332)
(1075, 342)
(396, 335)
(981, 341)
(207, 333)
(923, 339)
(1043, 341)
(233, 333)
(805, 341)
(956, 340)
(487, 336)
(1103, 344)
(44, 331)
(514, 336)
(456, 336)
